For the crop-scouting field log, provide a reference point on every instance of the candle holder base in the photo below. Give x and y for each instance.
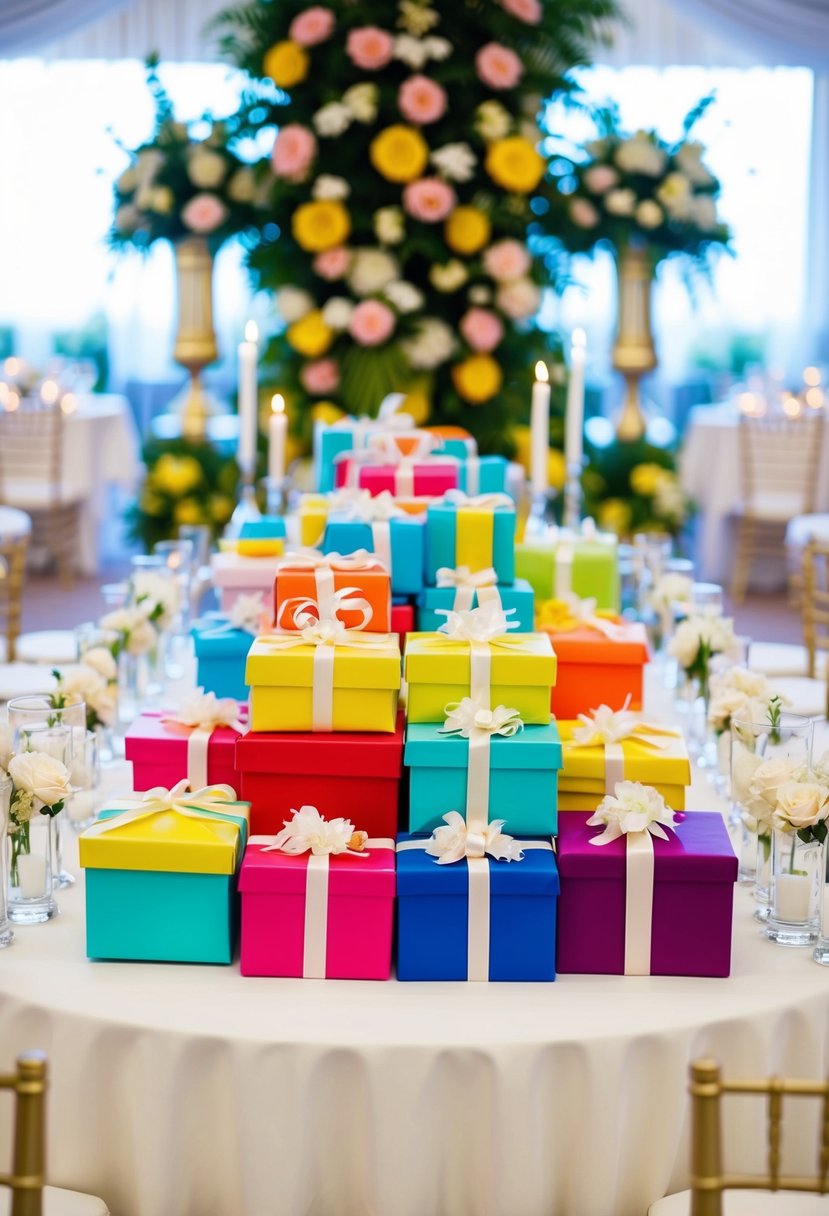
(277, 495)
(246, 510)
(541, 518)
(573, 497)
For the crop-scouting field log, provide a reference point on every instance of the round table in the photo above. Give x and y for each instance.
(190, 1091)
(14, 525)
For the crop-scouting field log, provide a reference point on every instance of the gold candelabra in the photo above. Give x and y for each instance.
(633, 350)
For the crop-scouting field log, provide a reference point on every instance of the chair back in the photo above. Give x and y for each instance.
(814, 605)
(31, 452)
(779, 461)
(15, 527)
(707, 1178)
(26, 1180)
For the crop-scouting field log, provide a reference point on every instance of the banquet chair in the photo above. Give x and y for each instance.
(714, 1193)
(23, 1192)
(15, 528)
(778, 466)
(31, 471)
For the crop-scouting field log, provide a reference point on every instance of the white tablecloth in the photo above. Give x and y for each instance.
(709, 469)
(190, 1091)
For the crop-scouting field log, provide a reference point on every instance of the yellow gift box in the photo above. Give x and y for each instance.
(169, 842)
(659, 759)
(438, 671)
(313, 514)
(365, 679)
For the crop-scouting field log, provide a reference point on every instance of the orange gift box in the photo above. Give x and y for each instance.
(356, 590)
(596, 670)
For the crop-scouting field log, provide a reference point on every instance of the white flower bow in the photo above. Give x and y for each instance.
(206, 710)
(361, 505)
(585, 612)
(309, 831)
(605, 725)
(454, 841)
(467, 718)
(492, 501)
(304, 611)
(247, 612)
(462, 576)
(633, 807)
(481, 624)
(312, 559)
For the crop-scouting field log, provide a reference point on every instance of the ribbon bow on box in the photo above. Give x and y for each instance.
(248, 614)
(468, 584)
(572, 612)
(479, 629)
(607, 728)
(301, 611)
(199, 715)
(474, 721)
(209, 803)
(375, 510)
(485, 502)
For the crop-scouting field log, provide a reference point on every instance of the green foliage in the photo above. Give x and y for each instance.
(186, 483)
(631, 487)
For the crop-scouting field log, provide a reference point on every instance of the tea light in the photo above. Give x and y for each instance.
(31, 874)
(792, 896)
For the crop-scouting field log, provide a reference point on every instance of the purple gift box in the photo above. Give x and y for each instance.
(694, 875)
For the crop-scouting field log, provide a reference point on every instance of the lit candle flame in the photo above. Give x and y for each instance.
(278, 403)
(541, 372)
(251, 332)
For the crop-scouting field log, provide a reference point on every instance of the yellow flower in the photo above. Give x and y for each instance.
(399, 153)
(320, 225)
(467, 230)
(646, 478)
(515, 164)
(286, 63)
(326, 411)
(310, 336)
(175, 475)
(151, 504)
(614, 515)
(477, 378)
(188, 511)
(221, 507)
(556, 616)
(418, 401)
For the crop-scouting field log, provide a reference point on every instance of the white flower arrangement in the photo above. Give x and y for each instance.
(632, 807)
(700, 638)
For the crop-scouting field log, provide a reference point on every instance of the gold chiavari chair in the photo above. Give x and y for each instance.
(15, 527)
(815, 609)
(778, 466)
(31, 477)
(773, 1193)
(26, 1183)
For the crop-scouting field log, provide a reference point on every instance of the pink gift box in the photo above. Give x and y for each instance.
(431, 479)
(159, 751)
(352, 942)
(235, 574)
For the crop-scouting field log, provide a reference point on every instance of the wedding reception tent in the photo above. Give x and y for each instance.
(414, 607)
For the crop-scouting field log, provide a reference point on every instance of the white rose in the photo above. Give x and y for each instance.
(640, 154)
(703, 212)
(242, 186)
(371, 270)
(389, 225)
(104, 704)
(293, 303)
(206, 169)
(492, 121)
(337, 311)
(455, 161)
(744, 764)
(620, 202)
(684, 645)
(404, 296)
(361, 100)
(518, 299)
(769, 776)
(800, 804)
(752, 683)
(433, 344)
(414, 52)
(329, 186)
(649, 214)
(42, 776)
(438, 48)
(689, 159)
(332, 120)
(142, 638)
(448, 277)
(157, 596)
(100, 659)
(726, 705)
(81, 683)
(479, 294)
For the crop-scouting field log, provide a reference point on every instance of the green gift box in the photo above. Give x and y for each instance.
(586, 566)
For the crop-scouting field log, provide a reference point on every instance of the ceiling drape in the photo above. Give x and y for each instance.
(794, 32)
(25, 25)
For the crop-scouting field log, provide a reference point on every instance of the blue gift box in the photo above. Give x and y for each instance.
(408, 545)
(329, 442)
(433, 930)
(523, 778)
(483, 475)
(467, 535)
(221, 654)
(460, 448)
(519, 597)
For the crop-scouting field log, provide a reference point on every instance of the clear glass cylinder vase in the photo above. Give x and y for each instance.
(6, 931)
(33, 851)
(798, 872)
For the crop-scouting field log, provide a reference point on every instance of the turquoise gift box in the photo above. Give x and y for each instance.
(162, 888)
(407, 540)
(523, 778)
(329, 443)
(483, 474)
(471, 535)
(221, 654)
(519, 596)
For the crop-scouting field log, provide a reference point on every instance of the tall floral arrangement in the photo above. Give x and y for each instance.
(406, 162)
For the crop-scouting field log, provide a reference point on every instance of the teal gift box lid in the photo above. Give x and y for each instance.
(213, 636)
(266, 528)
(535, 747)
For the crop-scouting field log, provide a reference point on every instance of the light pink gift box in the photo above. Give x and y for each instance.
(353, 941)
(234, 575)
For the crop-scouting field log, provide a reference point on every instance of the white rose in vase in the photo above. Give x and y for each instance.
(100, 659)
(800, 804)
(42, 776)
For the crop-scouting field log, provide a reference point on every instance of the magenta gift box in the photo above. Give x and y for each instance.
(158, 751)
(358, 934)
(694, 875)
(431, 478)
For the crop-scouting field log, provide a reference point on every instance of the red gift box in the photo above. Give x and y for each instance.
(158, 749)
(402, 622)
(355, 776)
(429, 479)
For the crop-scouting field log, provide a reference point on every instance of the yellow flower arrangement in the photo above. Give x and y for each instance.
(320, 225)
(467, 230)
(515, 164)
(418, 401)
(556, 616)
(188, 511)
(151, 503)
(399, 153)
(310, 336)
(615, 515)
(221, 508)
(286, 63)
(327, 412)
(646, 478)
(175, 475)
(477, 378)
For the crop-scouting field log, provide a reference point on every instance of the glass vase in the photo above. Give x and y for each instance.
(798, 873)
(6, 931)
(32, 862)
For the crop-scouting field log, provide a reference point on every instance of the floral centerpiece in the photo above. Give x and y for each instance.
(699, 639)
(634, 487)
(186, 483)
(95, 682)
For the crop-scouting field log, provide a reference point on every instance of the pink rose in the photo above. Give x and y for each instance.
(204, 214)
(506, 260)
(421, 100)
(481, 329)
(372, 323)
(600, 178)
(429, 199)
(333, 263)
(498, 66)
(313, 26)
(370, 48)
(583, 213)
(528, 11)
(518, 299)
(293, 150)
(320, 377)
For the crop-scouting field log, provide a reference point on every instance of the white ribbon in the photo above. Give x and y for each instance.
(201, 804)
(479, 627)
(246, 614)
(583, 612)
(473, 475)
(469, 586)
(608, 728)
(200, 714)
(565, 552)
(486, 501)
(475, 722)
(301, 611)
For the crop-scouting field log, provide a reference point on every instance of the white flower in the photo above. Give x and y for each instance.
(492, 121)
(42, 776)
(448, 277)
(6, 752)
(451, 843)
(479, 294)
(206, 709)
(640, 154)
(127, 218)
(417, 18)
(518, 299)
(800, 804)
(371, 270)
(696, 634)
(142, 638)
(157, 596)
(689, 159)
(242, 186)
(414, 52)
(649, 214)
(361, 100)
(329, 186)
(672, 589)
(161, 200)
(336, 312)
(100, 659)
(104, 704)
(750, 683)
(620, 202)
(308, 831)
(404, 296)
(332, 120)
(703, 212)
(726, 704)
(438, 48)
(632, 808)
(389, 225)
(766, 780)
(293, 303)
(206, 169)
(248, 612)
(81, 683)
(674, 193)
(455, 161)
(433, 344)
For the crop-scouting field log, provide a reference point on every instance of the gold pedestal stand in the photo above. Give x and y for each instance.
(195, 346)
(633, 349)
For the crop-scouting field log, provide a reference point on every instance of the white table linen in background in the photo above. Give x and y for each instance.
(190, 1091)
(709, 470)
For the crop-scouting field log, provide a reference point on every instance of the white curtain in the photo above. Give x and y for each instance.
(174, 28)
(796, 32)
(25, 25)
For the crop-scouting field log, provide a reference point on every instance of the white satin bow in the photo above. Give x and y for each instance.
(605, 725)
(312, 559)
(200, 804)
(486, 501)
(482, 624)
(455, 841)
(462, 576)
(308, 831)
(360, 505)
(584, 612)
(305, 611)
(632, 808)
(468, 718)
(204, 710)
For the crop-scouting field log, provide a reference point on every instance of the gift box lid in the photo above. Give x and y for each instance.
(368, 874)
(535, 747)
(213, 635)
(587, 644)
(262, 537)
(169, 842)
(153, 728)
(344, 754)
(517, 658)
(236, 570)
(698, 851)
(440, 597)
(355, 666)
(418, 873)
(444, 507)
(665, 762)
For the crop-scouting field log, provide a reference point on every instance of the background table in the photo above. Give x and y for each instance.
(189, 1091)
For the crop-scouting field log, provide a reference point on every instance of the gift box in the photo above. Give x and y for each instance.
(682, 922)
(571, 564)
(318, 917)
(594, 669)
(438, 671)
(299, 686)
(263, 537)
(357, 774)
(655, 757)
(500, 927)
(475, 534)
(349, 435)
(221, 653)
(314, 510)
(402, 621)
(399, 543)
(428, 478)
(356, 590)
(162, 887)
(234, 574)
(163, 752)
(483, 475)
(521, 788)
(434, 602)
